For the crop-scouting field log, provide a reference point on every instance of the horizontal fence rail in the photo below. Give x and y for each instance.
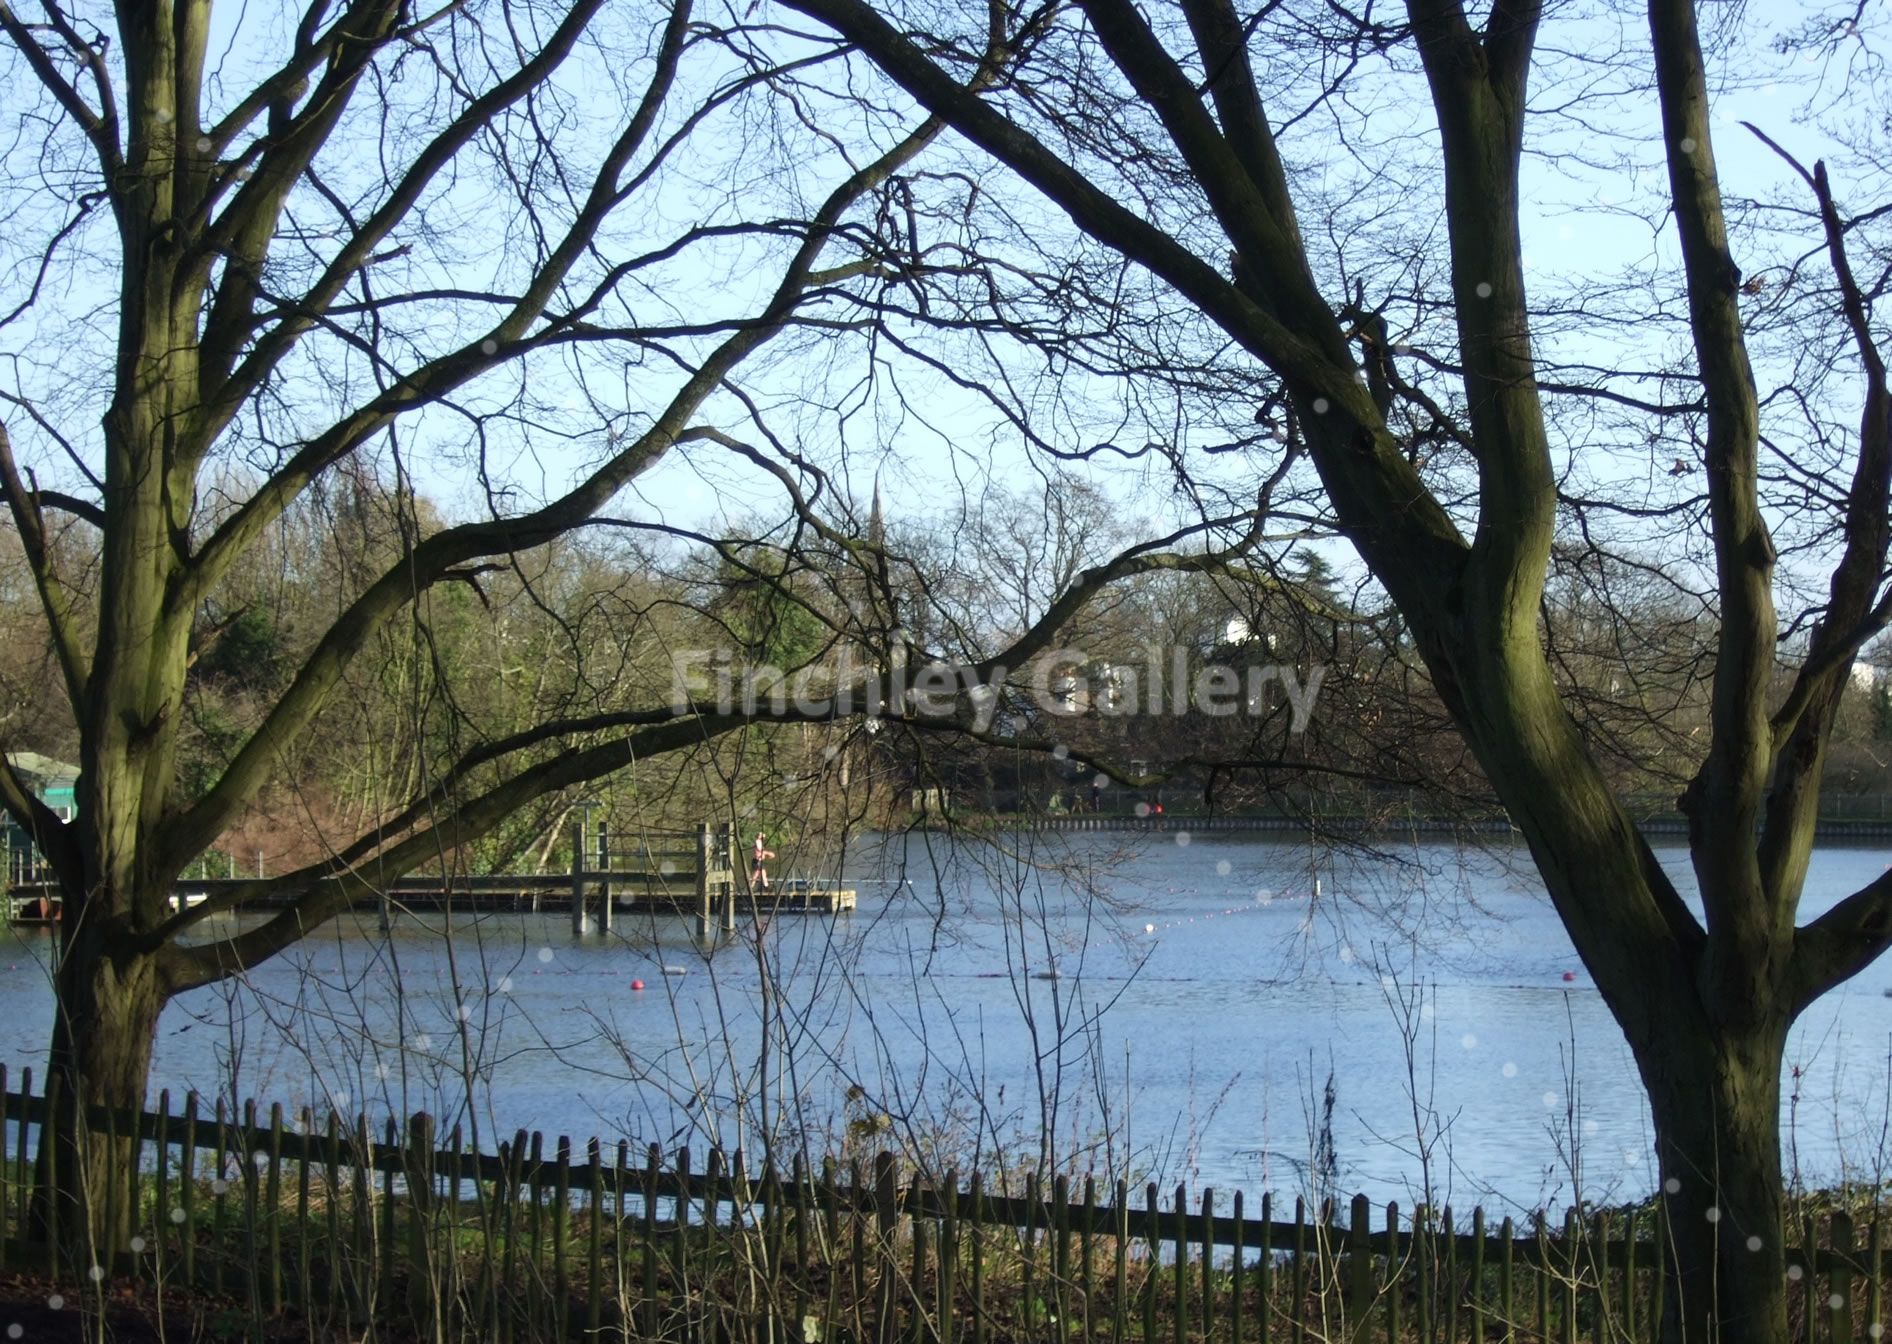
(359, 1234)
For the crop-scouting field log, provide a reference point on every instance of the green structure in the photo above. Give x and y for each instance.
(54, 782)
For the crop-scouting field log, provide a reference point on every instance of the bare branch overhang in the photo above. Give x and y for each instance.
(1724, 802)
(435, 556)
(1857, 608)
(1222, 39)
(100, 126)
(1842, 942)
(227, 384)
(240, 236)
(1478, 90)
(1383, 503)
(54, 599)
(1631, 925)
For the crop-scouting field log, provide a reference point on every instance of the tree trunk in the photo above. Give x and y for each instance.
(1715, 1098)
(104, 1025)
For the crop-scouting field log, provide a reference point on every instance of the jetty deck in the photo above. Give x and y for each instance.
(630, 893)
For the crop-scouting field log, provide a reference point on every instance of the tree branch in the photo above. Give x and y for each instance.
(54, 600)
(436, 555)
(1723, 803)
(1842, 942)
(101, 127)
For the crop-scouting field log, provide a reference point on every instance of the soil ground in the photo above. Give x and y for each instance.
(35, 1310)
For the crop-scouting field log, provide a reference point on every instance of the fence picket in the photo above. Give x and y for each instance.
(1153, 1280)
(1297, 1304)
(978, 1258)
(273, 1201)
(1475, 1306)
(1543, 1277)
(949, 1231)
(1572, 1270)
(1809, 1279)
(219, 1199)
(1628, 1308)
(561, 1220)
(620, 1268)
(1507, 1297)
(680, 1267)
(1839, 1284)
(1394, 1273)
(886, 1270)
(385, 1293)
(1087, 1252)
(1061, 1277)
(1600, 1268)
(594, 1246)
(1874, 1301)
(1264, 1265)
(1360, 1270)
(161, 1207)
(304, 1293)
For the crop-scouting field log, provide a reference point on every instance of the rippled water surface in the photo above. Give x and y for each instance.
(1173, 1008)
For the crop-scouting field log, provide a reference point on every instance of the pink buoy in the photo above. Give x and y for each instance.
(1570, 975)
(637, 984)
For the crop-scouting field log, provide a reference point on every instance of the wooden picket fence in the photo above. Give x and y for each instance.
(404, 1236)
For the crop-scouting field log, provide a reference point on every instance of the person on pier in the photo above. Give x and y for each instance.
(759, 875)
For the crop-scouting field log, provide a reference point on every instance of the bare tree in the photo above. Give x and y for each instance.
(1157, 130)
(372, 239)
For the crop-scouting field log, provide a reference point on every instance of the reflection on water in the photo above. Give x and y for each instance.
(1158, 1006)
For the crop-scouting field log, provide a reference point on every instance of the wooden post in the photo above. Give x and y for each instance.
(578, 874)
(604, 878)
(705, 928)
(1360, 1262)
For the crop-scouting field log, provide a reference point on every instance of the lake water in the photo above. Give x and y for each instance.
(1173, 1009)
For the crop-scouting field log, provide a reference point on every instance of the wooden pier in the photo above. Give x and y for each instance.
(676, 874)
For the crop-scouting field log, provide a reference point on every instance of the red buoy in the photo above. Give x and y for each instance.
(1570, 975)
(637, 984)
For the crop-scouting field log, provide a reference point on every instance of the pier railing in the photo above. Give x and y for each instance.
(351, 1228)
